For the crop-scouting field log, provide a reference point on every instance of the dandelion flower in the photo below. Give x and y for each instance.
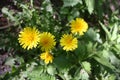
(47, 41)
(47, 57)
(68, 42)
(29, 38)
(79, 26)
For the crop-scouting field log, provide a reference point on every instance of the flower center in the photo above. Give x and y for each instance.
(45, 42)
(69, 41)
(78, 27)
(31, 38)
(48, 56)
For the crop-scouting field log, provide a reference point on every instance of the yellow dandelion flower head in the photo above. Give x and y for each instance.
(47, 41)
(47, 57)
(68, 42)
(78, 26)
(29, 38)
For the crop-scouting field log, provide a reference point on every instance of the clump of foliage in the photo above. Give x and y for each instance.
(64, 40)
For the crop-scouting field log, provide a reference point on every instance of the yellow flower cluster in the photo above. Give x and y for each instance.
(78, 26)
(31, 37)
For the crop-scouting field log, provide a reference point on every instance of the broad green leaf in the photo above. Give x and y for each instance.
(51, 70)
(114, 60)
(102, 60)
(91, 34)
(112, 77)
(90, 5)
(77, 74)
(71, 2)
(81, 51)
(62, 63)
(99, 8)
(86, 65)
(89, 47)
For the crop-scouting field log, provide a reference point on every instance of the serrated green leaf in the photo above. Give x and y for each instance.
(67, 76)
(86, 65)
(105, 53)
(90, 5)
(48, 6)
(10, 61)
(35, 73)
(8, 13)
(83, 75)
(46, 77)
(39, 77)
